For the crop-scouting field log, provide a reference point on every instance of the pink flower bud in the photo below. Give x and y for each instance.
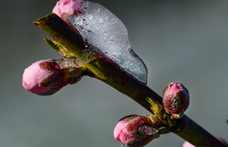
(46, 77)
(135, 131)
(175, 99)
(33, 76)
(67, 6)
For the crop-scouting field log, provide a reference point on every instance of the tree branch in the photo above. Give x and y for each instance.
(106, 70)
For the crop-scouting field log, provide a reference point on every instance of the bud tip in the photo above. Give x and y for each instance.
(33, 76)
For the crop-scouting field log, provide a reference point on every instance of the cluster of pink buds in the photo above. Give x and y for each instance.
(45, 77)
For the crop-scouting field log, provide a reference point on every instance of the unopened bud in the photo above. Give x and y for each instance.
(33, 76)
(45, 77)
(135, 131)
(175, 99)
(68, 7)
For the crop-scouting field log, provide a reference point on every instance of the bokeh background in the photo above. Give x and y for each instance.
(178, 40)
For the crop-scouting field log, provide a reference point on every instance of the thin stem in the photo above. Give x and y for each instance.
(109, 72)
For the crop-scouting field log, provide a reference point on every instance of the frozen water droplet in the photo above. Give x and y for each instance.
(102, 29)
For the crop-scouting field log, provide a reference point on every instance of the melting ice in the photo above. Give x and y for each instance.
(99, 27)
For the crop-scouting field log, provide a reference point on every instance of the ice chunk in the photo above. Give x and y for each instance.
(102, 29)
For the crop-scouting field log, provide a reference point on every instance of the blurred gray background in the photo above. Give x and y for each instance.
(184, 41)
